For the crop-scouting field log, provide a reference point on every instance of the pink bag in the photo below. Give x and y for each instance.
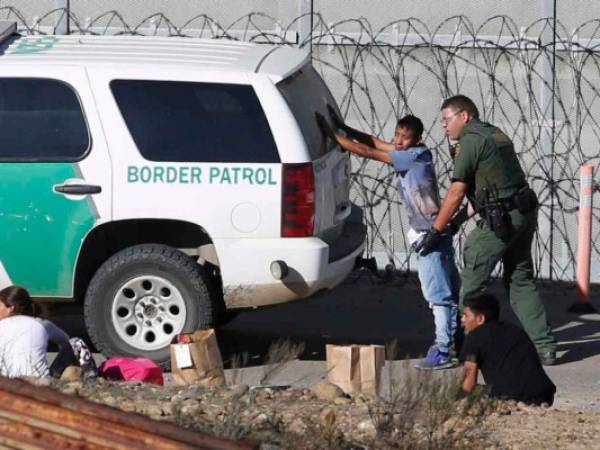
(123, 368)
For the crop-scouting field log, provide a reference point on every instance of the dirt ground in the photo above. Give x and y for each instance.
(285, 412)
(297, 418)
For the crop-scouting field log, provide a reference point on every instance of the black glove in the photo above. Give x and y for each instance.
(453, 227)
(429, 242)
(335, 119)
(324, 126)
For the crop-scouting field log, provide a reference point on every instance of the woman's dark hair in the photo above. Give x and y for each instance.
(412, 123)
(18, 298)
(461, 103)
(484, 304)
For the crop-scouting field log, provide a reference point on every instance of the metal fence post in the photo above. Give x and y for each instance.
(305, 24)
(547, 135)
(62, 23)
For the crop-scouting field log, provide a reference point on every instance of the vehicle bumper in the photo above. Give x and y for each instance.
(312, 265)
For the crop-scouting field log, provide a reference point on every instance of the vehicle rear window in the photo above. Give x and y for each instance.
(41, 120)
(195, 122)
(306, 93)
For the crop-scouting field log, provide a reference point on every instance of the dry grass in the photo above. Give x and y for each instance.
(420, 411)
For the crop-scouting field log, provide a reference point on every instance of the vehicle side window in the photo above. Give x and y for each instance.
(195, 122)
(41, 120)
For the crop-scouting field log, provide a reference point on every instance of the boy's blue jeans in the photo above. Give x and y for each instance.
(440, 284)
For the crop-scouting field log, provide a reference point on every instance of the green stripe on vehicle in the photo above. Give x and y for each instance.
(27, 46)
(41, 231)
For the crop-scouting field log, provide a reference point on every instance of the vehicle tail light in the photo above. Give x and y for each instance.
(298, 200)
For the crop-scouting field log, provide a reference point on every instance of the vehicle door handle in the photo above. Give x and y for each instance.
(78, 189)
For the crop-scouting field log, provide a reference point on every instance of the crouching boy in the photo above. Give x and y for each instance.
(507, 358)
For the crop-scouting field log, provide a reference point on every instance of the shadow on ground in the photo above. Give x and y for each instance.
(369, 310)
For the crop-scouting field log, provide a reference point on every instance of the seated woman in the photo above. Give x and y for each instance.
(24, 338)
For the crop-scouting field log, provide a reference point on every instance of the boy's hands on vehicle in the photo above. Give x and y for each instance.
(337, 121)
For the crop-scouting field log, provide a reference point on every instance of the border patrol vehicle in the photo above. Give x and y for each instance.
(162, 180)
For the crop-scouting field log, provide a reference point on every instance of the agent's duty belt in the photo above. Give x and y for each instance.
(524, 200)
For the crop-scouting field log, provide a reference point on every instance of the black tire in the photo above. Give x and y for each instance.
(135, 287)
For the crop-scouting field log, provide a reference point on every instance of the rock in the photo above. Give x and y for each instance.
(327, 417)
(36, 381)
(166, 408)
(262, 418)
(529, 409)
(127, 405)
(325, 390)
(297, 426)
(366, 426)
(504, 408)
(191, 392)
(149, 409)
(261, 400)
(455, 425)
(366, 399)
(75, 384)
(235, 392)
(72, 388)
(267, 446)
(189, 407)
(108, 400)
(71, 373)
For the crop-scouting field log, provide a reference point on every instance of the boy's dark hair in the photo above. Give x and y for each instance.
(484, 304)
(412, 123)
(461, 103)
(18, 298)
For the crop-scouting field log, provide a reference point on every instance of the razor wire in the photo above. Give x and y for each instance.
(409, 67)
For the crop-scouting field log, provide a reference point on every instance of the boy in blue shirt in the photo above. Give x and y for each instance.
(416, 182)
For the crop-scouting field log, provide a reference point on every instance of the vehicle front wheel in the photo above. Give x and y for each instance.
(143, 296)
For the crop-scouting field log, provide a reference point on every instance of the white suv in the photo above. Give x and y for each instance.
(159, 180)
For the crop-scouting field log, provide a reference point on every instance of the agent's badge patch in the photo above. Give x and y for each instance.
(454, 150)
(499, 136)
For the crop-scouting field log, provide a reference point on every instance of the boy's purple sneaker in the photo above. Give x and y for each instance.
(435, 360)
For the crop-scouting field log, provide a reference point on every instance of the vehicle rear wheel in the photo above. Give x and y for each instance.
(143, 296)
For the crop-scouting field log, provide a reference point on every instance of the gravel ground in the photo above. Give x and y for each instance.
(369, 310)
(316, 419)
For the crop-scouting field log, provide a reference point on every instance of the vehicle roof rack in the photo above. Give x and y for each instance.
(7, 29)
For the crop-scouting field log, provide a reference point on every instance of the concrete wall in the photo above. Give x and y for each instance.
(376, 83)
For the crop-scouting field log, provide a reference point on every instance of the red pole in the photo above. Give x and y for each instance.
(584, 241)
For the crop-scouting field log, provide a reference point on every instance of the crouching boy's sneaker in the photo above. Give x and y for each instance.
(435, 360)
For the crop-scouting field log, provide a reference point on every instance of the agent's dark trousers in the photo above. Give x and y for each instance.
(483, 250)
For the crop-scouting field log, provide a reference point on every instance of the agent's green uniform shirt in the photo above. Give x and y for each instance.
(486, 159)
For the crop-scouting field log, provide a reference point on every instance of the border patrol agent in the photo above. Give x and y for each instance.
(488, 172)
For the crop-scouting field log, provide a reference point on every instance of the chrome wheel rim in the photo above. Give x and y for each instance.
(147, 312)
